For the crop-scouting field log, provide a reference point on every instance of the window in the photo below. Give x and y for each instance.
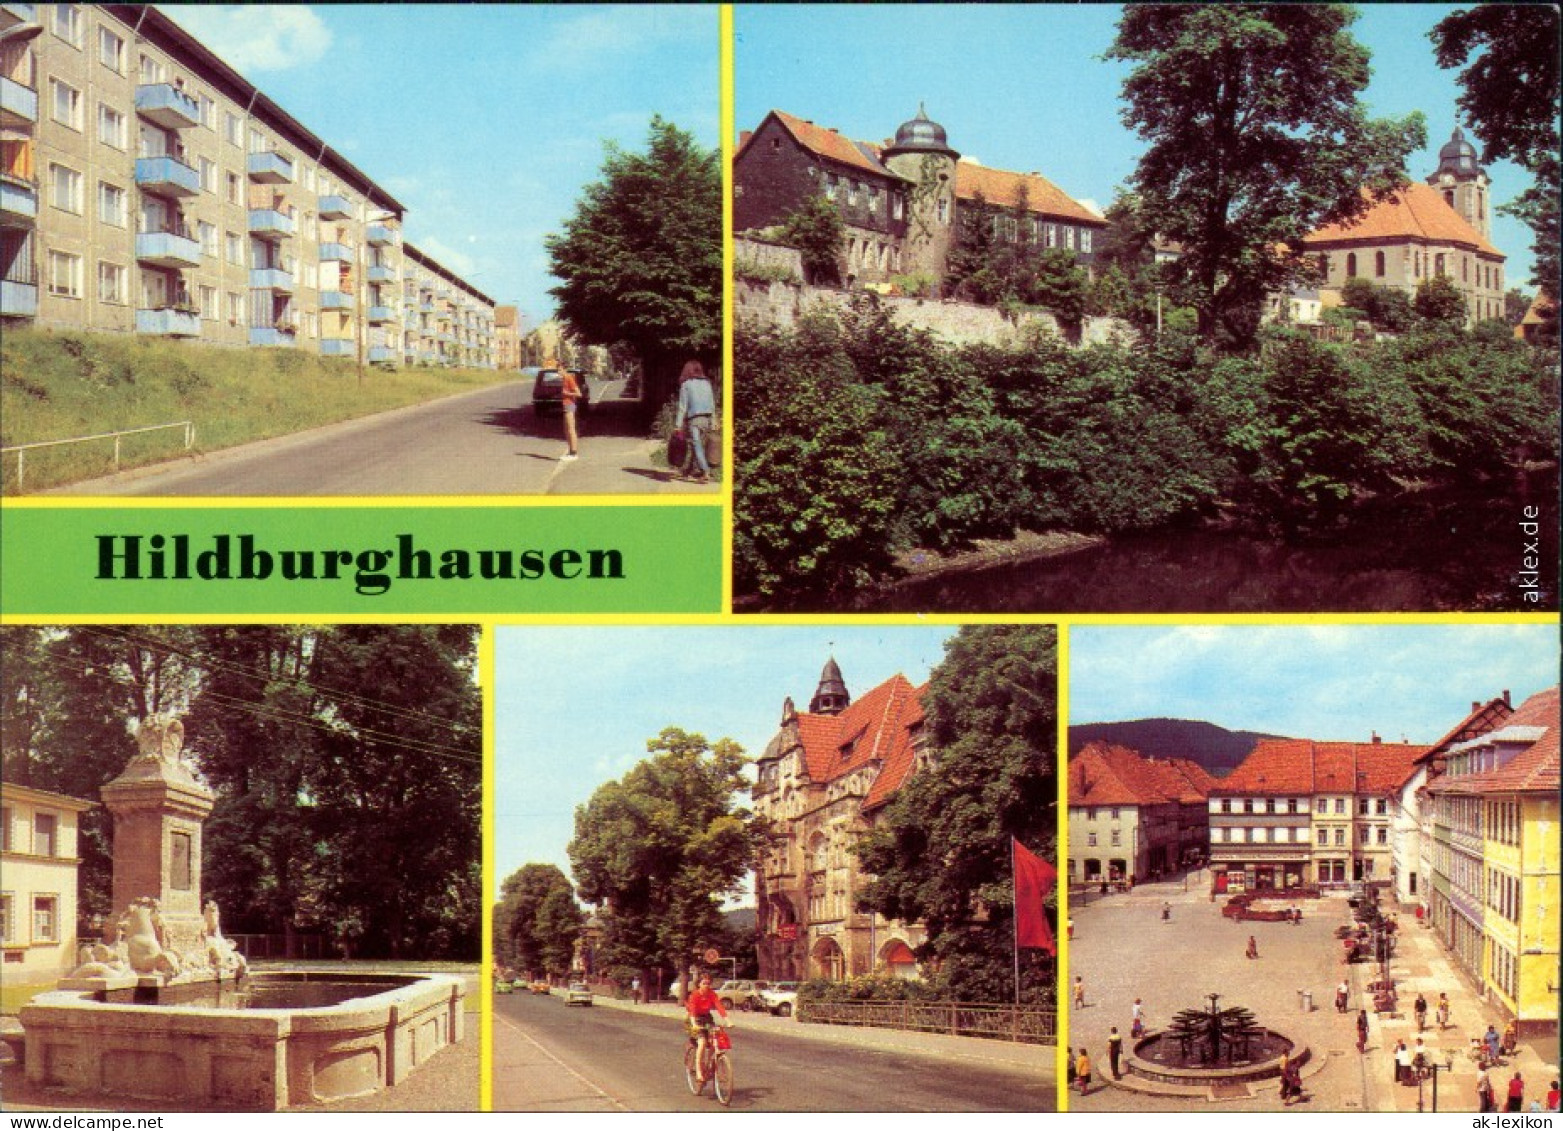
(1324, 805)
(45, 918)
(1114, 812)
(208, 236)
(208, 111)
(1340, 804)
(67, 23)
(1340, 838)
(1378, 264)
(1291, 804)
(1438, 264)
(307, 177)
(1090, 812)
(1383, 836)
(66, 100)
(1381, 807)
(65, 188)
(111, 283)
(151, 71)
(944, 210)
(8, 918)
(207, 297)
(1085, 239)
(1248, 804)
(111, 204)
(235, 308)
(1117, 838)
(830, 186)
(208, 174)
(235, 189)
(111, 51)
(111, 127)
(1324, 837)
(46, 839)
(233, 132)
(1226, 804)
(235, 250)
(1269, 805)
(1090, 840)
(1362, 806)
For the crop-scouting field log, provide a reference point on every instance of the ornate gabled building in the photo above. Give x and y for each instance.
(906, 202)
(822, 782)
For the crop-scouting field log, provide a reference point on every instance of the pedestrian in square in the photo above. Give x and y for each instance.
(1114, 1051)
(696, 410)
(1137, 1020)
(1443, 1012)
(1342, 996)
(1079, 992)
(1362, 1031)
(1402, 1062)
(1069, 1067)
(1083, 1071)
(1516, 1092)
(1421, 1012)
(1494, 1044)
(1484, 1092)
(1253, 947)
(1552, 1097)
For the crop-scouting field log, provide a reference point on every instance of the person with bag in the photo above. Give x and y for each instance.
(569, 397)
(696, 410)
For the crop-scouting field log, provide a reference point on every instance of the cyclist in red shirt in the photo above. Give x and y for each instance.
(699, 1006)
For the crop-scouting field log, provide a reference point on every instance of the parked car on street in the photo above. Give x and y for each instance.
(741, 993)
(780, 999)
(538, 987)
(577, 994)
(548, 392)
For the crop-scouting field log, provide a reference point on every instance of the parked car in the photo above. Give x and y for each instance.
(548, 392)
(577, 994)
(780, 999)
(741, 993)
(539, 987)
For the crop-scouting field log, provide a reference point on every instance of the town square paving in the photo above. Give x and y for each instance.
(1124, 949)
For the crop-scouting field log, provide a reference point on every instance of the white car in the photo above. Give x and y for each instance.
(780, 999)
(577, 994)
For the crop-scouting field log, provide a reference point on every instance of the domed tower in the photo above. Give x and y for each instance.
(1462, 183)
(830, 697)
(923, 156)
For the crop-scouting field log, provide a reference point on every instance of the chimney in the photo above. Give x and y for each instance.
(1506, 702)
(1475, 706)
(1376, 738)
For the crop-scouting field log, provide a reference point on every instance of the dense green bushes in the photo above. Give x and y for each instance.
(859, 438)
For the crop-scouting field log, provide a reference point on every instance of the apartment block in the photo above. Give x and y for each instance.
(445, 320)
(146, 187)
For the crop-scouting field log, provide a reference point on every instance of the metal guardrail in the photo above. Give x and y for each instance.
(1025, 1024)
(21, 450)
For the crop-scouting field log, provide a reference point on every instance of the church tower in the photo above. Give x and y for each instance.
(830, 697)
(1463, 184)
(923, 156)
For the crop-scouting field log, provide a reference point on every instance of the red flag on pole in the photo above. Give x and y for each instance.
(1034, 878)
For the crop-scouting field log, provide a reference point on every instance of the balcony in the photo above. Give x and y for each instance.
(270, 168)
(167, 249)
(381, 355)
(380, 236)
(168, 323)
(165, 105)
(167, 176)
(379, 273)
(272, 336)
(18, 300)
(335, 252)
(335, 300)
(335, 207)
(271, 279)
(336, 347)
(18, 202)
(270, 224)
(18, 104)
(381, 314)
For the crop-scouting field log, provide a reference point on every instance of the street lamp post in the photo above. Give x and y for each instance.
(1433, 1069)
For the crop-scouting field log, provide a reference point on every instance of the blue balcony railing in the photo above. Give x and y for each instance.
(338, 252)
(334, 207)
(337, 347)
(268, 223)
(18, 300)
(335, 300)
(380, 314)
(18, 103)
(380, 355)
(167, 249)
(169, 323)
(18, 202)
(380, 236)
(379, 273)
(167, 106)
(270, 168)
(167, 176)
(271, 279)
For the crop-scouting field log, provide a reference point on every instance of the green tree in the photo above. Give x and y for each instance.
(1511, 97)
(1516, 304)
(662, 847)
(816, 230)
(1256, 139)
(641, 259)
(1388, 308)
(941, 853)
(523, 936)
(1439, 300)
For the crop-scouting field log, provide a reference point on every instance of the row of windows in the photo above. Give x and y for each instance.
(1503, 821)
(45, 839)
(1039, 231)
(46, 920)
(1488, 275)
(1503, 970)
(1503, 894)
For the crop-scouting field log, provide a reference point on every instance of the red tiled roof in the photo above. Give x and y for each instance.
(831, 144)
(1093, 780)
(879, 726)
(1415, 212)
(1301, 766)
(1103, 774)
(1003, 189)
(1534, 769)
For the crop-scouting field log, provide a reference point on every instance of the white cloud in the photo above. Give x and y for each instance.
(598, 38)
(447, 256)
(261, 37)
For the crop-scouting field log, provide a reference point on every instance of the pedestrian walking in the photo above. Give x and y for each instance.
(1083, 1071)
(1421, 1012)
(1443, 1012)
(1137, 1019)
(1484, 1092)
(1516, 1092)
(1069, 1067)
(1166, 911)
(1362, 1031)
(1493, 1043)
(1552, 1097)
(1114, 1051)
(1342, 996)
(696, 410)
(1402, 1063)
(1071, 930)
(1079, 992)
(569, 398)
(1253, 947)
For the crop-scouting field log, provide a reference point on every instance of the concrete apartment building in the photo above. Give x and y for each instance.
(146, 187)
(38, 832)
(446, 320)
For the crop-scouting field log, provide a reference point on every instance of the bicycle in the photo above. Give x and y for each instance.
(718, 1065)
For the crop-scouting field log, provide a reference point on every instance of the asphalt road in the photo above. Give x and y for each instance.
(487, 442)
(552, 1057)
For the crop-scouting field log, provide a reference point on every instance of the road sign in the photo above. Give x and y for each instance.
(712, 956)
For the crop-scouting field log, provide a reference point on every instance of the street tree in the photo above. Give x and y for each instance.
(520, 939)
(941, 855)
(662, 847)
(640, 261)
(1511, 98)
(1256, 138)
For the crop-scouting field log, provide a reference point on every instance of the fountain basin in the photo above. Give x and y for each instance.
(1151, 1061)
(198, 1057)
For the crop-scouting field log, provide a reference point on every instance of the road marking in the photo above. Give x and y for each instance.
(509, 1024)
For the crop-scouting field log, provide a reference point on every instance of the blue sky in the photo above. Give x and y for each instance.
(484, 120)
(575, 706)
(1335, 682)
(1024, 87)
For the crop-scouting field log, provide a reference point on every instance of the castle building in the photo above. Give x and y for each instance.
(1440, 228)
(38, 840)
(146, 187)
(822, 782)
(906, 203)
(1133, 817)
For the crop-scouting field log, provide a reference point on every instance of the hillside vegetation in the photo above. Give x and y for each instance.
(55, 386)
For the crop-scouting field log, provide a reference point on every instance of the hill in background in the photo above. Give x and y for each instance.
(1217, 749)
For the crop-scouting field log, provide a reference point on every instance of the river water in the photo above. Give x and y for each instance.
(1427, 551)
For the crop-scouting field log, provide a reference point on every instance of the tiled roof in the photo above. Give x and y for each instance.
(829, 143)
(1415, 212)
(1534, 769)
(1103, 774)
(1003, 189)
(879, 726)
(1093, 780)
(1300, 766)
